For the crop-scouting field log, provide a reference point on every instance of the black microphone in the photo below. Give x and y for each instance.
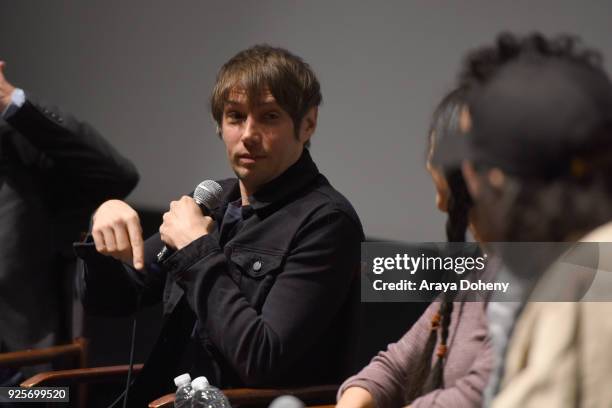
(207, 195)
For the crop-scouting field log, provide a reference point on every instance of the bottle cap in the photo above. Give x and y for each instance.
(199, 383)
(182, 380)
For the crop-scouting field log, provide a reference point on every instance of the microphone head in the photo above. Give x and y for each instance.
(287, 401)
(208, 193)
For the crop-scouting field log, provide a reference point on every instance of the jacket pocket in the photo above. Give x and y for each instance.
(256, 271)
(256, 263)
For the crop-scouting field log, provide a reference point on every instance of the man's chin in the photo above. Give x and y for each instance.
(242, 173)
(245, 175)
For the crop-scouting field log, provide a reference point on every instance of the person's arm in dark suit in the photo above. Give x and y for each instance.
(77, 166)
(83, 168)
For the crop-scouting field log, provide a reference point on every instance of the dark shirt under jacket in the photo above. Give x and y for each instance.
(54, 171)
(274, 305)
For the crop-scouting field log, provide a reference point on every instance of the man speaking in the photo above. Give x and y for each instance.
(259, 289)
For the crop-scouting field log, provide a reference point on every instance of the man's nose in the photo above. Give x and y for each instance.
(252, 132)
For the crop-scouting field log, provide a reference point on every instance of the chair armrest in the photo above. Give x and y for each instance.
(318, 394)
(87, 375)
(31, 357)
(167, 401)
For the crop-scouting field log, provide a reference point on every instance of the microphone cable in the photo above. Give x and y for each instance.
(125, 392)
(131, 363)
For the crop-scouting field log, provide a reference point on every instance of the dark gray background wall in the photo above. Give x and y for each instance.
(141, 71)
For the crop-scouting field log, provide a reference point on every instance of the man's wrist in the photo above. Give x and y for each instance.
(182, 259)
(197, 231)
(193, 236)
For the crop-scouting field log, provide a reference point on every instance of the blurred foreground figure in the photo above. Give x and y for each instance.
(54, 171)
(537, 159)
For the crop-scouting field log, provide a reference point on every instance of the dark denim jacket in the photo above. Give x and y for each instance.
(274, 306)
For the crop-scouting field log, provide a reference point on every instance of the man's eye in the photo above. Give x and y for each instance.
(234, 116)
(272, 116)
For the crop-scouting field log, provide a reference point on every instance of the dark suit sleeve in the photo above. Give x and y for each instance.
(108, 287)
(300, 307)
(78, 167)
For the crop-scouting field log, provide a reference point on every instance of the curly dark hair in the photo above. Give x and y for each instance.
(529, 209)
(482, 63)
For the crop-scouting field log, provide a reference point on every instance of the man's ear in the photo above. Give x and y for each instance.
(495, 177)
(309, 124)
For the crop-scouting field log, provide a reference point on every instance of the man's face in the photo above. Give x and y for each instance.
(260, 138)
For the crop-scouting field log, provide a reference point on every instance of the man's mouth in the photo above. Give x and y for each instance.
(249, 158)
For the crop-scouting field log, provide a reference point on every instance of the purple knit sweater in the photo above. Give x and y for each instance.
(466, 372)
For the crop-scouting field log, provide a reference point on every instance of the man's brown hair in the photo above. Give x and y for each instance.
(288, 78)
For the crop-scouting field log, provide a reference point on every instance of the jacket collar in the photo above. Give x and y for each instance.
(293, 180)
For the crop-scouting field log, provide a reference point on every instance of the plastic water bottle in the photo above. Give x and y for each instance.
(207, 396)
(184, 392)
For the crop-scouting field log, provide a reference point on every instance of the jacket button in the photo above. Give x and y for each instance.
(257, 266)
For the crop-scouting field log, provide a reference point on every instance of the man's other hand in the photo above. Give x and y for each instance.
(117, 232)
(6, 89)
(184, 223)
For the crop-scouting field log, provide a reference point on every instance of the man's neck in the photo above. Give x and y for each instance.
(245, 193)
